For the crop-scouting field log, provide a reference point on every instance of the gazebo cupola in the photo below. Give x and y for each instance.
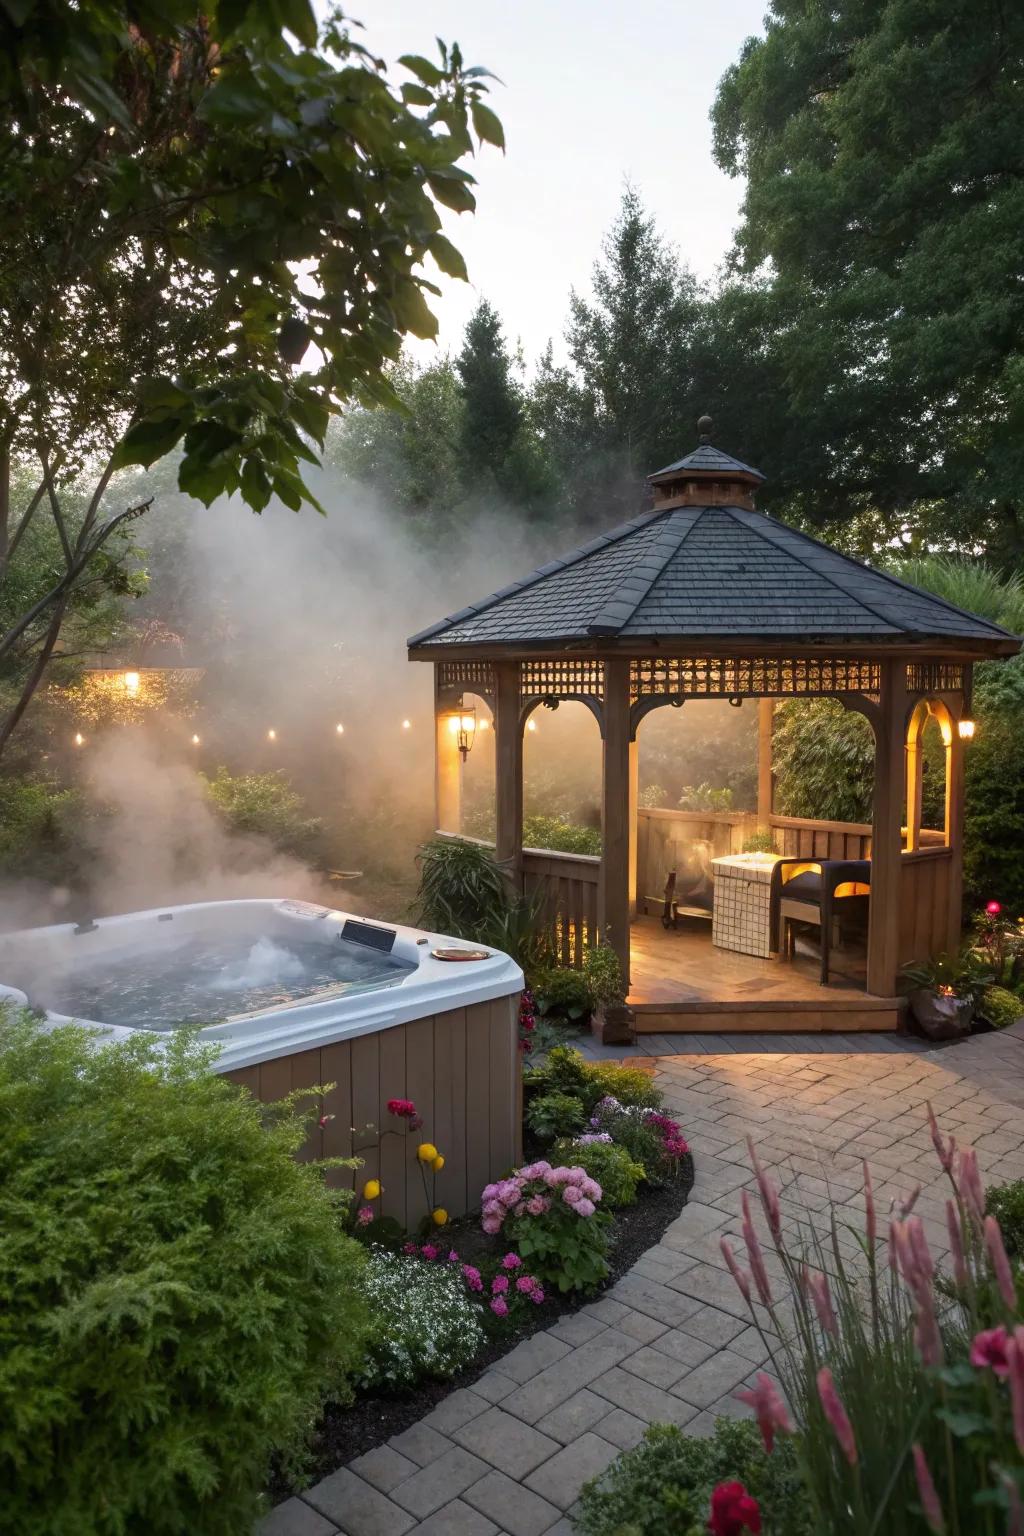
(705, 478)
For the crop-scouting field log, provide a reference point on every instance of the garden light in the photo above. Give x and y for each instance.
(195, 740)
(340, 729)
(132, 683)
(271, 734)
(462, 725)
(79, 739)
(406, 725)
(966, 729)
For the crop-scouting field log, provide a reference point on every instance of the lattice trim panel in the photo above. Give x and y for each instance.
(465, 676)
(935, 677)
(751, 677)
(561, 679)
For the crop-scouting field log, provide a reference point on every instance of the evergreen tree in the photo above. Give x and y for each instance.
(492, 414)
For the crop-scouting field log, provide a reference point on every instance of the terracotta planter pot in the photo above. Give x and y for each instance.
(613, 1025)
(939, 1017)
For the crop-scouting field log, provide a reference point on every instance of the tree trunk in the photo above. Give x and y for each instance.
(35, 676)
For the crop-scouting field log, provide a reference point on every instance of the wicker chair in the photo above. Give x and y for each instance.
(818, 891)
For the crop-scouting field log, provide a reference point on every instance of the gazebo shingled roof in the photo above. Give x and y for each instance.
(703, 572)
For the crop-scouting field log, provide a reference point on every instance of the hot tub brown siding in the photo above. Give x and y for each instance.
(460, 1068)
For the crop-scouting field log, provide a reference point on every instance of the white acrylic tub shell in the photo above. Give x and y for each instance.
(434, 986)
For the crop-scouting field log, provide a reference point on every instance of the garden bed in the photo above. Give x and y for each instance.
(345, 1433)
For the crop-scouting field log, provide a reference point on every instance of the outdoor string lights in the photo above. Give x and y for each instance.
(463, 723)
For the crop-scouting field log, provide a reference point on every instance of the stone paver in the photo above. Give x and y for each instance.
(672, 1341)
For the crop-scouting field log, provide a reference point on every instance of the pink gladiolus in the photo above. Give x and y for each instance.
(769, 1409)
(836, 1415)
(754, 1253)
(956, 1245)
(1000, 1263)
(943, 1150)
(988, 1351)
(1015, 1364)
(821, 1296)
(870, 1219)
(739, 1275)
(929, 1498)
(769, 1195)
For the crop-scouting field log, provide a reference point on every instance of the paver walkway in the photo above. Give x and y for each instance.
(671, 1341)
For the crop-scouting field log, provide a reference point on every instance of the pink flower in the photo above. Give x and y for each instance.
(364, 1215)
(428, 1251)
(739, 1275)
(821, 1296)
(943, 1150)
(836, 1415)
(870, 1219)
(926, 1330)
(1015, 1364)
(508, 1191)
(769, 1409)
(571, 1194)
(906, 1205)
(956, 1245)
(491, 1225)
(525, 1284)
(754, 1254)
(988, 1349)
(733, 1511)
(511, 1261)
(537, 1205)
(769, 1195)
(410, 1248)
(537, 1295)
(472, 1277)
(405, 1109)
(929, 1498)
(325, 1121)
(499, 1306)
(584, 1207)
(453, 1257)
(499, 1285)
(519, 1209)
(1000, 1263)
(993, 908)
(494, 1208)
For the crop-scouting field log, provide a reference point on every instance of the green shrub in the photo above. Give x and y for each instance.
(565, 1071)
(562, 993)
(560, 836)
(1006, 1204)
(761, 841)
(464, 892)
(266, 805)
(39, 825)
(664, 1485)
(425, 1324)
(611, 1165)
(176, 1292)
(604, 974)
(554, 1114)
(1000, 1007)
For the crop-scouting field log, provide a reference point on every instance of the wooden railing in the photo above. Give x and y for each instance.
(565, 884)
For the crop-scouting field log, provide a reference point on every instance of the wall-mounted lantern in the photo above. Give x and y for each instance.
(966, 730)
(462, 724)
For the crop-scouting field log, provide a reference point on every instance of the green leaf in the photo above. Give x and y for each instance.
(255, 486)
(963, 1423)
(416, 95)
(452, 193)
(148, 441)
(427, 72)
(487, 125)
(411, 311)
(448, 257)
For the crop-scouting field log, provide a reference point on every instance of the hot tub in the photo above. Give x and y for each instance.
(297, 995)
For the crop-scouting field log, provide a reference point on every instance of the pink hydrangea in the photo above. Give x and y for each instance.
(508, 1191)
(453, 1257)
(472, 1277)
(520, 1208)
(538, 1204)
(511, 1261)
(499, 1306)
(488, 1193)
(535, 1170)
(571, 1194)
(491, 1225)
(584, 1207)
(526, 1284)
(499, 1285)
(364, 1215)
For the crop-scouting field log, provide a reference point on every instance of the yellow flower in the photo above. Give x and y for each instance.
(371, 1189)
(427, 1152)
(440, 1216)
(438, 1163)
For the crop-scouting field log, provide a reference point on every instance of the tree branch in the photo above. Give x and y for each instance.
(35, 676)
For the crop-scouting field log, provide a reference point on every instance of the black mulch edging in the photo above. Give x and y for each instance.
(344, 1433)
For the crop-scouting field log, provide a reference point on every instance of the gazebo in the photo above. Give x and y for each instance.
(705, 597)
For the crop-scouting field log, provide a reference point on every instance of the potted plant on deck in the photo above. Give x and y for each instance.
(943, 993)
(611, 1021)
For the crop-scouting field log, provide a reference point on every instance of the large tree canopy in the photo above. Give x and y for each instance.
(191, 204)
(882, 146)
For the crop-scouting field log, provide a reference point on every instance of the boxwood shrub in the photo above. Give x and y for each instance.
(176, 1293)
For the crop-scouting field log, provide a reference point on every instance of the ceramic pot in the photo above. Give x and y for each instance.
(940, 1017)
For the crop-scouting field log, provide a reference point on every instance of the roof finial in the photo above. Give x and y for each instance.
(705, 426)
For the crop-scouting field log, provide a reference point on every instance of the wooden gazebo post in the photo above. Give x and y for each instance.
(887, 829)
(616, 833)
(508, 770)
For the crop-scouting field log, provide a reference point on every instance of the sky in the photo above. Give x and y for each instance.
(592, 94)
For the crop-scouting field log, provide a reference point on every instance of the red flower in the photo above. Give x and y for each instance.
(993, 908)
(733, 1511)
(405, 1109)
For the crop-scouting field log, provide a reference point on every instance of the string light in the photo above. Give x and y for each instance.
(195, 740)
(132, 681)
(271, 734)
(79, 739)
(340, 730)
(406, 725)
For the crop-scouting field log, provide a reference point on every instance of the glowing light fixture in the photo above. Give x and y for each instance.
(132, 683)
(340, 730)
(79, 739)
(531, 725)
(464, 721)
(195, 740)
(966, 730)
(406, 725)
(271, 734)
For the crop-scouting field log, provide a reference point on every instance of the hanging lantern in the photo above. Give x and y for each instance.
(966, 730)
(462, 725)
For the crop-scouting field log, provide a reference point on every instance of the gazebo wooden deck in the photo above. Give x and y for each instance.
(704, 597)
